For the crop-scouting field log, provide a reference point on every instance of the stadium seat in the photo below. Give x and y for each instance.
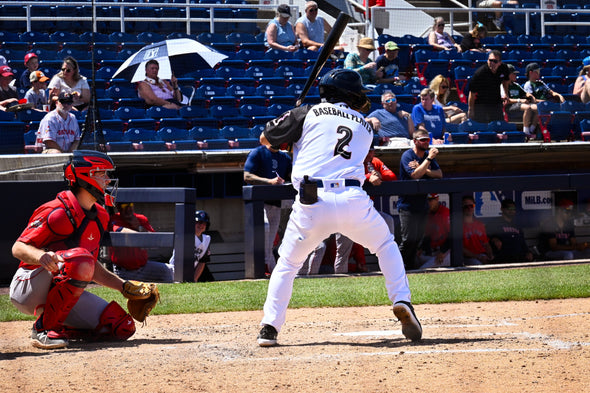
(241, 90)
(208, 38)
(471, 126)
(117, 91)
(250, 110)
(176, 138)
(559, 127)
(158, 112)
(259, 72)
(126, 113)
(191, 112)
(278, 109)
(500, 126)
(200, 133)
(149, 37)
(120, 37)
(485, 137)
(12, 136)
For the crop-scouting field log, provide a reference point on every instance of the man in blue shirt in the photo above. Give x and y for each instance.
(267, 166)
(396, 124)
(429, 117)
(416, 163)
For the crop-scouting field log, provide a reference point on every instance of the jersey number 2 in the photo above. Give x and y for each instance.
(343, 142)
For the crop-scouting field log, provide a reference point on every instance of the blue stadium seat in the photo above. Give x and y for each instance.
(29, 115)
(120, 37)
(117, 91)
(514, 137)
(241, 90)
(500, 126)
(286, 71)
(278, 109)
(559, 126)
(35, 36)
(458, 138)
(126, 113)
(485, 137)
(472, 126)
(240, 38)
(158, 112)
(191, 112)
(253, 110)
(259, 72)
(208, 91)
(268, 90)
(276, 54)
(234, 132)
(12, 136)
(247, 54)
(149, 37)
(201, 133)
(228, 72)
(208, 38)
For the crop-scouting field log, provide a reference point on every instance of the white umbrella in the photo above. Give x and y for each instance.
(177, 56)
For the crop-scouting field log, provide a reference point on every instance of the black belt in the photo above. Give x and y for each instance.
(347, 183)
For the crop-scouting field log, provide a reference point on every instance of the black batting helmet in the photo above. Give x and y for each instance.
(343, 85)
(202, 216)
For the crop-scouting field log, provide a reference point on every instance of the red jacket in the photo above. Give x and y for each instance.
(130, 258)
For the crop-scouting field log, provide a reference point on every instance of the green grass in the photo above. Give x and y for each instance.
(451, 287)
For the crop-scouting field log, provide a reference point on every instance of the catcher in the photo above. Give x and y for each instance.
(58, 258)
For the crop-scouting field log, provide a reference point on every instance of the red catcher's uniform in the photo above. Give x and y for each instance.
(130, 258)
(51, 227)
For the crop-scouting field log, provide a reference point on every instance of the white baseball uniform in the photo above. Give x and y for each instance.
(330, 142)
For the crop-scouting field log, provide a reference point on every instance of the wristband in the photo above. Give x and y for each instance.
(429, 159)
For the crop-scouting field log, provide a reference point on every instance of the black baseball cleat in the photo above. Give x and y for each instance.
(411, 327)
(267, 336)
(48, 339)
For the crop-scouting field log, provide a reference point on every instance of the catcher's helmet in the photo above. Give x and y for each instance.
(343, 85)
(202, 216)
(79, 172)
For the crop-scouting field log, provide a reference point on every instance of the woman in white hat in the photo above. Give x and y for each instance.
(361, 63)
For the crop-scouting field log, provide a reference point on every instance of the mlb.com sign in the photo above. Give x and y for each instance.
(536, 200)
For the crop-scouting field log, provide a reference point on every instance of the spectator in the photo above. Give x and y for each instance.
(361, 63)
(159, 92)
(517, 100)
(558, 239)
(429, 117)
(507, 238)
(310, 28)
(499, 19)
(580, 87)
(32, 64)
(131, 263)
(472, 40)
(485, 98)
(419, 162)
(202, 254)
(535, 86)
(36, 94)
(476, 246)
(8, 93)
(266, 165)
(435, 248)
(396, 125)
(59, 128)
(388, 64)
(439, 39)
(69, 80)
(442, 89)
(280, 33)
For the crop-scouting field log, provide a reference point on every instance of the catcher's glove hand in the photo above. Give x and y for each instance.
(142, 296)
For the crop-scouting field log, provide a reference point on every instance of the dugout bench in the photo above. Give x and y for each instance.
(254, 197)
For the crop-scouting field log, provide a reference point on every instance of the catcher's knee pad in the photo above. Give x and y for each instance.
(115, 323)
(68, 286)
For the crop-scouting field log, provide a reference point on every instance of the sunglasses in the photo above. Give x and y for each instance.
(389, 101)
(495, 61)
(468, 206)
(66, 70)
(444, 87)
(422, 139)
(440, 25)
(126, 205)
(312, 10)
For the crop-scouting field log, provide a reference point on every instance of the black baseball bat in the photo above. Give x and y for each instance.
(327, 49)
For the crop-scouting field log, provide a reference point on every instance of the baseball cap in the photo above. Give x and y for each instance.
(29, 56)
(367, 43)
(432, 196)
(65, 97)
(512, 69)
(6, 71)
(284, 10)
(532, 67)
(390, 45)
(37, 76)
(586, 61)
(566, 204)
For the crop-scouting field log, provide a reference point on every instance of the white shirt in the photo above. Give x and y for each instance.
(63, 132)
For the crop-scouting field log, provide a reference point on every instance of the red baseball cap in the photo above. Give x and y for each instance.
(566, 204)
(432, 196)
(29, 56)
(6, 71)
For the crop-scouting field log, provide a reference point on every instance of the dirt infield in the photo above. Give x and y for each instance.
(541, 346)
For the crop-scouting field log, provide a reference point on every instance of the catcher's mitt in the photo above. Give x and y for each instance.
(142, 296)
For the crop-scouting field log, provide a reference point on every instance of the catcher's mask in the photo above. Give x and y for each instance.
(343, 85)
(202, 216)
(80, 171)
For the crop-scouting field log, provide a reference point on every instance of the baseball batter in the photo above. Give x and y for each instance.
(330, 142)
(58, 252)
